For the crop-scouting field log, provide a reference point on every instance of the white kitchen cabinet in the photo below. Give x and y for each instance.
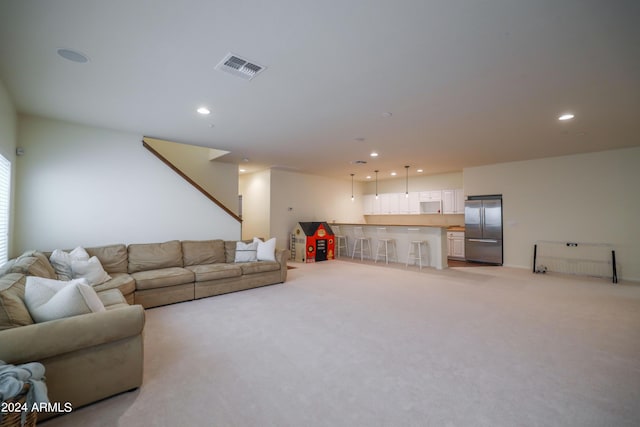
(396, 203)
(455, 244)
(453, 201)
(448, 201)
(459, 201)
(370, 205)
(430, 196)
(384, 203)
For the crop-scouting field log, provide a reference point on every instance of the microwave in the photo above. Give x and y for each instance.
(431, 207)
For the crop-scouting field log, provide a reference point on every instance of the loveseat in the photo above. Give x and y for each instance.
(92, 356)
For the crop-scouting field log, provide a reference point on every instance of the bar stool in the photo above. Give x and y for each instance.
(386, 243)
(341, 240)
(415, 247)
(360, 238)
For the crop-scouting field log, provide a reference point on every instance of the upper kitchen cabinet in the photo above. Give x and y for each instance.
(391, 204)
(430, 196)
(453, 201)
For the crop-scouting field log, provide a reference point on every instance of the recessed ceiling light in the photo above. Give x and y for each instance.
(203, 110)
(420, 171)
(393, 174)
(374, 154)
(243, 170)
(368, 176)
(73, 55)
(567, 116)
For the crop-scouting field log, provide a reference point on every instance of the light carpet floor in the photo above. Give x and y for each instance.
(343, 344)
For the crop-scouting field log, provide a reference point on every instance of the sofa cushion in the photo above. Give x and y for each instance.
(13, 311)
(114, 258)
(122, 281)
(214, 271)
(154, 256)
(49, 299)
(33, 263)
(163, 277)
(112, 297)
(202, 252)
(259, 267)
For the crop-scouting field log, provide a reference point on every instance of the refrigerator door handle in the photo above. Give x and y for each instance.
(483, 240)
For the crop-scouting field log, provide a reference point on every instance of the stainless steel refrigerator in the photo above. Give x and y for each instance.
(483, 229)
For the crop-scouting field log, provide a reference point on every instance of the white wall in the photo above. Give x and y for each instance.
(255, 189)
(217, 178)
(8, 143)
(80, 185)
(311, 198)
(591, 198)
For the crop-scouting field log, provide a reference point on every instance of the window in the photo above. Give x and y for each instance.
(5, 194)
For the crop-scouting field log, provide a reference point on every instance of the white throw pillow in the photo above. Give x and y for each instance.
(91, 270)
(61, 261)
(266, 250)
(246, 252)
(48, 299)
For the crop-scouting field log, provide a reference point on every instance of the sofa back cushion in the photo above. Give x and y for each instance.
(13, 311)
(199, 252)
(154, 256)
(33, 263)
(113, 257)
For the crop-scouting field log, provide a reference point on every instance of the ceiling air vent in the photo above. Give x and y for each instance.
(238, 66)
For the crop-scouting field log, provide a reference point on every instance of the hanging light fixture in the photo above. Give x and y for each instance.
(406, 192)
(352, 198)
(376, 171)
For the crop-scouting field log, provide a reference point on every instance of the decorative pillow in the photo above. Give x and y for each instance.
(246, 252)
(13, 311)
(266, 250)
(91, 270)
(61, 261)
(33, 263)
(49, 299)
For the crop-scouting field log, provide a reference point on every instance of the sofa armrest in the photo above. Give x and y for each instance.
(282, 256)
(47, 339)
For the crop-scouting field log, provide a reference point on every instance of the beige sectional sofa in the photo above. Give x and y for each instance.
(177, 271)
(93, 356)
(87, 357)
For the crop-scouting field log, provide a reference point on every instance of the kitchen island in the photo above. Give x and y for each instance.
(434, 235)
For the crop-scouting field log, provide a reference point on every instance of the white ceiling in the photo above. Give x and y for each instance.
(469, 82)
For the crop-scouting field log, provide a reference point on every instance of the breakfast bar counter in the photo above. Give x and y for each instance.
(435, 237)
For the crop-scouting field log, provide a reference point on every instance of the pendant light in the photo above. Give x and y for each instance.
(406, 193)
(376, 171)
(352, 198)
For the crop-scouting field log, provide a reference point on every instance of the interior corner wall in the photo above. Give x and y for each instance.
(591, 198)
(8, 144)
(81, 185)
(255, 189)
(217, 178)
(300, 197)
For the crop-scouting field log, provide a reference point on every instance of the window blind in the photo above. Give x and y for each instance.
(5, 194)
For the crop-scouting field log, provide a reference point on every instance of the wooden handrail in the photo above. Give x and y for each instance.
(190, 181)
